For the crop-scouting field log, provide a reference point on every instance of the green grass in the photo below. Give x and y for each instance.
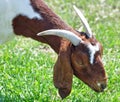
(26, 70)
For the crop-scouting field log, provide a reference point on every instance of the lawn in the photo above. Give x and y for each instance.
(26, 66)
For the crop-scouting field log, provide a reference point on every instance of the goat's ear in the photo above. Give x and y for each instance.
(63, 74)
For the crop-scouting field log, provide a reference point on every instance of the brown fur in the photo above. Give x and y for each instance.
(29, 28)
(71, 60)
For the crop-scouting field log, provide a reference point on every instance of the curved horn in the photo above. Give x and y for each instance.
(63, 33)
(84, 21)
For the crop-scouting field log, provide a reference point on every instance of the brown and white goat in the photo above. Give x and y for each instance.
(79, 53)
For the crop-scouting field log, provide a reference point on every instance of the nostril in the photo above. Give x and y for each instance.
(103, 86)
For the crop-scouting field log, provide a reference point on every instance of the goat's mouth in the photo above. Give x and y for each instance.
(98, 87)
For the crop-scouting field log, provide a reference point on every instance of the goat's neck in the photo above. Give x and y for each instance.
(48, 15)
(30, 27)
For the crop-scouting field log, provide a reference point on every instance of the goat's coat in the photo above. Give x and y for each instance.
(71, 59)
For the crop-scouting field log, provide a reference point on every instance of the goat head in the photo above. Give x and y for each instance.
(82, 57)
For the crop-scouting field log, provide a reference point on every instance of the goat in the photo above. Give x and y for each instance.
(79, 53)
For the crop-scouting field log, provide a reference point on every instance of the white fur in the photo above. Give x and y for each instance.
(98, 84)
(92, 50)
(10, 9)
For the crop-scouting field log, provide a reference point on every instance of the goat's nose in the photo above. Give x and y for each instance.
(103, 86)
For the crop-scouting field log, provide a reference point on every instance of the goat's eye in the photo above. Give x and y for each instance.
(80, 63)
(82, 66)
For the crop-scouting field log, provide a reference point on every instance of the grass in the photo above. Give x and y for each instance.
(26, 70)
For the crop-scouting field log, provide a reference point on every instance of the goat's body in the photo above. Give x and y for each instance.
(9, 9)
(23, 17)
